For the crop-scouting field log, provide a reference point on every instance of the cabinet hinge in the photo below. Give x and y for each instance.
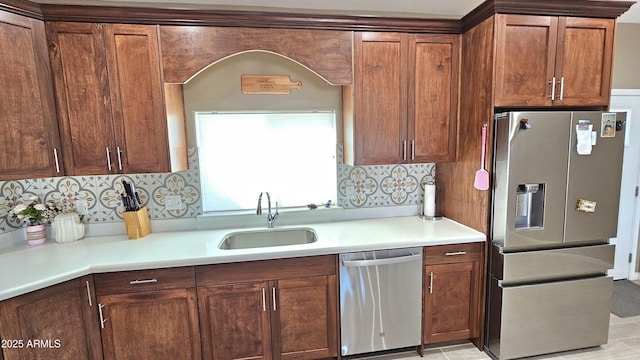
(630, 257)
(636, 191)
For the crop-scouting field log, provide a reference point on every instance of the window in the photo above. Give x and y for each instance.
(291, 155)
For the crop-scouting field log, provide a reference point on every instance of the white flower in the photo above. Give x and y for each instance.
(35, 212)
(19, 208)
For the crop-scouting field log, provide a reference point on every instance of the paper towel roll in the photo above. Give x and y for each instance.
(429, 200)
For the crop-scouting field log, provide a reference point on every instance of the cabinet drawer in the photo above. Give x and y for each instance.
(144, 280)
(264, 270)
(442, 254)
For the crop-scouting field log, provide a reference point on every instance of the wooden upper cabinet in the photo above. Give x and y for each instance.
(380, 98)
(584, 61)
(64, 317)
(405, 98)
(82, 92)
(553, 61)
(110, 101)
(133, 64)
(29, 142)
(526, 47)
(434, 66)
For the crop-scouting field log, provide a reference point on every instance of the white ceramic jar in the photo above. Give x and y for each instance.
(67, 227)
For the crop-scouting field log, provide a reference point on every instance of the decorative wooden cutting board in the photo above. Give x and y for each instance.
(268, 84)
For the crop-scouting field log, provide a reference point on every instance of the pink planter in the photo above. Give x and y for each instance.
(36, 235)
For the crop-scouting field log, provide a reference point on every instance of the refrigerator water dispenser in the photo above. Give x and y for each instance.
(529, 206)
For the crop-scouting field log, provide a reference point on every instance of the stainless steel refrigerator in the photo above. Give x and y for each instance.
(556, 190)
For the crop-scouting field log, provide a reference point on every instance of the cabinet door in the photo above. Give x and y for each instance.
(30, 132)
(151, 325)
(82, 93)
(234, 321)
(58, 322)
(380, 98)
(525, 58)
(584, 61)
(136, 93)
(450, 302)
(433, 97)
(304, 324)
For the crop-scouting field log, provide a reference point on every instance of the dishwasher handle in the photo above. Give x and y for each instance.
(385, 261)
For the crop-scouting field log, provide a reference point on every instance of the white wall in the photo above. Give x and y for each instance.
(629, 214)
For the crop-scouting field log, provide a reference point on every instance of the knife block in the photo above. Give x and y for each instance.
(137, 223)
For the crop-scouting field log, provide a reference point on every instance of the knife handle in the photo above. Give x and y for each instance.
(126, 202)
(138, 200)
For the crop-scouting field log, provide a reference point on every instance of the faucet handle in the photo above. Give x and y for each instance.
(271, 218)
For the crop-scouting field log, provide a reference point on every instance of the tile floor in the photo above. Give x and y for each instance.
(624, 344)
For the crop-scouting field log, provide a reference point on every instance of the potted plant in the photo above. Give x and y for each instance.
(35, 214)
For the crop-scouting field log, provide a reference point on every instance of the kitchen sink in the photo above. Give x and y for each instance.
(267, 238)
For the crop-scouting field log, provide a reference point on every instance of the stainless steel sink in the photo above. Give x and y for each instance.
(268, 238)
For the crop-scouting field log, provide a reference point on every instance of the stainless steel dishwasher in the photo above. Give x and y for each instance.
(380, 300)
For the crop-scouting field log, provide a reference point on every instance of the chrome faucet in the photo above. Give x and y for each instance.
(271, 217)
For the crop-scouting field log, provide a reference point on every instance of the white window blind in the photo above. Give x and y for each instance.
(291, 155)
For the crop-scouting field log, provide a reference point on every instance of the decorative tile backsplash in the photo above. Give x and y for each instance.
(358, 186)
(382, 185)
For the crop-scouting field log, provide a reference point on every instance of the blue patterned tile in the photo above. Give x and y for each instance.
(357, 186)
(10, 195)
(193, 159)
(175, 184)
(400, 185)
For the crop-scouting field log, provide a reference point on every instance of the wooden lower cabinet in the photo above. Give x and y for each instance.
(276, 309)
(234, 321)
(303, 321)
(58, 322)
(452, 277)
(149, 314)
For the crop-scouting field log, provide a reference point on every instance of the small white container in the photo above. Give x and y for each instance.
(67, 227)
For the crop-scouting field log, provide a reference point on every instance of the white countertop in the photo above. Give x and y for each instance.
(25, 268)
